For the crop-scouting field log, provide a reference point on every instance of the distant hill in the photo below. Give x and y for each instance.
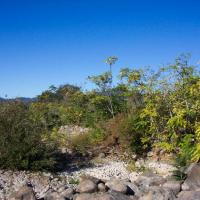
(23, 99)
(2, 99)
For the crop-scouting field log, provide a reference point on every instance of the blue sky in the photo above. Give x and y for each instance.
(45, 42)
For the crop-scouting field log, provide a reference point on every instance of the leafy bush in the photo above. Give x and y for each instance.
(184, 157)
(84, 142)
(127, 132)
(21, 144)
(80, 143)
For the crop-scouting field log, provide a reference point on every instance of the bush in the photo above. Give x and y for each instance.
(127, 132)
(184, 157)
(21, 144)
(82, 143)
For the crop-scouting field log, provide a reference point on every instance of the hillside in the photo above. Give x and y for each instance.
(22, 99)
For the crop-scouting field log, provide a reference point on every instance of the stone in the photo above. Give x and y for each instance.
(116, 185)
(158, 193)
(53, 196)
(192, 181)
(119, 196)
(86, 186)
(132, 189)
(133, 176)
(61, 189)
(103, 196)
(150, 179)
(68, 193)
(101, 187)
(83, 196)
(102, 155)
(175, 186)
(24, 193)
(87, 177)
(189, 195)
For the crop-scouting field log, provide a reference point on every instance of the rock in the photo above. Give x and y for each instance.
(158, 193)
(24, 193)
(133, 189)
(189, 195)
(133, 176)
(68, 193)
(102, 155)
(103, 196)
(61, 189)
(192, 181)
(53, 196)
(119, 196)
(175, 186)
(87, 177)
(86, 186)
(116, 185)
(150, 179)
(83, 196)
(101, 187)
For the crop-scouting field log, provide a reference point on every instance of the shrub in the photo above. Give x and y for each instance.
(184, 157)
(80, 143)
(128, 132)
(21, 144)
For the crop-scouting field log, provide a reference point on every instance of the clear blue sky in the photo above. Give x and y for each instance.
(44, 42)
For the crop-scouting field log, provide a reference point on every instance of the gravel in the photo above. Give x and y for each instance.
(43, 182)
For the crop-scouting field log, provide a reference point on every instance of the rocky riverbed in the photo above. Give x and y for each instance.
(109, 179)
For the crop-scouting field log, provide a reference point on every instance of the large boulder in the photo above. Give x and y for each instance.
(189, 195)
(86, 186)
(53, 196)
(192, 181)
(24, 193)
(158, 193)
(67, 193)
(87, 177)
(173, 185)
(104, 196)
(117, 185)
(133, 189)
(149, 179)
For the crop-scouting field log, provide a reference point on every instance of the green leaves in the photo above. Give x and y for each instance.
(102, 81)
(21, 144)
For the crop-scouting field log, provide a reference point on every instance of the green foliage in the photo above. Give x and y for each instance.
(186, 150)
(184, 157)
(80, 143)
(21, 144)
(196, 152)
(145, 109)
(83, 143)
(73, 181)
